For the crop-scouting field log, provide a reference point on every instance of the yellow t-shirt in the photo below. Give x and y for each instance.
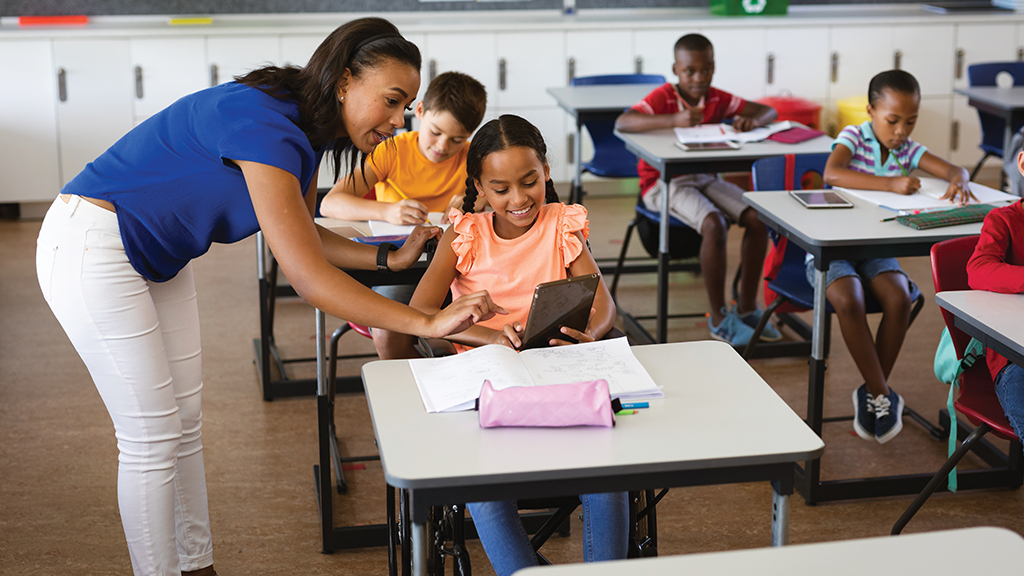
(402, 172)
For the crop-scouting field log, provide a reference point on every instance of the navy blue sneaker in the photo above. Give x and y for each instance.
(888, 416)
(863, 413)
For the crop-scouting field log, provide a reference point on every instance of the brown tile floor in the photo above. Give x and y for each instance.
(58, 455)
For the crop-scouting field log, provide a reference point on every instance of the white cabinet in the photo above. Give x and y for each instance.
(858, 53)
(95, 107)
(739, 60)
(551, 123)
(592, 53)
(655, 51)
(796, 62)
(230, 56)
(532, 62)
(166, 69)
(933, 128)
(925, 51)
(471, 53)
(28, 126)
(296, 49)
(983, 43)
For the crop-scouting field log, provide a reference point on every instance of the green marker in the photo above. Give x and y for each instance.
(626, 412)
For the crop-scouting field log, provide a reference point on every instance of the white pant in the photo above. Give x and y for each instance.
(140, 342)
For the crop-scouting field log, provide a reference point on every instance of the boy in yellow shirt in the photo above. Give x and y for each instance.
(414, 173)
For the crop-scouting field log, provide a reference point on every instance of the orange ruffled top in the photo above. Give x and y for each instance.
(511, 269)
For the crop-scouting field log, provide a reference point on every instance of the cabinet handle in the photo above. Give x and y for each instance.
(639, 65)
(138, 82)
(433, 69)
(572, 70)
(213, 75)
(954, 136)
(62, 84)
(959, 63)
(771, 69)
(835, 67)
(897, 59)
(502, 71)
(570, 148)
(1020, 53)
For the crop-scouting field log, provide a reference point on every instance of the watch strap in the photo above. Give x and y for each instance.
(382, 256)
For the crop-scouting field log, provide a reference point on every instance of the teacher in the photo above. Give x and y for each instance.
(113, 256)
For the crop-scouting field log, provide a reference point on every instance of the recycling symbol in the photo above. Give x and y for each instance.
(754, 6)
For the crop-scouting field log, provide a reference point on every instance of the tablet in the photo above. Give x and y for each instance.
(708, 146)
(821, 199)
(556, 304)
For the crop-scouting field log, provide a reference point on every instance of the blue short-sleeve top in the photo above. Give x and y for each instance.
(172, 185)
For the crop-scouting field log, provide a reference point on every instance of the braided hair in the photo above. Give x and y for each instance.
(507, 131)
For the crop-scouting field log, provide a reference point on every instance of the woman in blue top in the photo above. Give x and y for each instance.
(114, 250)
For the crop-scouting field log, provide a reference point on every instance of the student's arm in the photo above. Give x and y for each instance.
(838, 173)
(633, 121)
(602, 317)
(286, 221)
(754, 115)
(987, 269)
(959, 179)
(345, 201)
(433, 288)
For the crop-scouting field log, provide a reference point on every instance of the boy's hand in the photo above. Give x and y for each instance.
(462, 314)
(406, 212)
(744, 123)
(410, 251)
(455, 202)
(690, 117)
(959, 187)
(905, 185)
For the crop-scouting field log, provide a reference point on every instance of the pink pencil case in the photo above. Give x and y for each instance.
(559, 405)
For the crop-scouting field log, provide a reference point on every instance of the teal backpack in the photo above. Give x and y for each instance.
(948, 369)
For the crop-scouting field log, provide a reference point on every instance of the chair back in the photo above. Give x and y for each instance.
(790, 172)
(992, 126)
(977, 400)
(611, 159)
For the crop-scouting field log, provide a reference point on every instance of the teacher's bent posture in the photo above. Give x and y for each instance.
(113, 256)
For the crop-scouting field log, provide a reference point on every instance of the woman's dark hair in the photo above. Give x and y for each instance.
(507, 131)
(358, 45)
(899, 81)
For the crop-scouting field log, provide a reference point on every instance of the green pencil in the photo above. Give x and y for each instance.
(897, 161)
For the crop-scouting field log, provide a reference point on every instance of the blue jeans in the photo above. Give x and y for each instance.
(605, 531)
(1010, 390)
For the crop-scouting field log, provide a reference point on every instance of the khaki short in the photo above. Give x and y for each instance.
(694, 196)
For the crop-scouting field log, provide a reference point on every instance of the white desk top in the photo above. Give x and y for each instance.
(997, 315)
(608, 98)
(661, 144)
(990, 551)
(716, 412)
(1008, 98)
(857, 226)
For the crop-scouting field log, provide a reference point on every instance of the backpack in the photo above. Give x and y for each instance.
(948, 369)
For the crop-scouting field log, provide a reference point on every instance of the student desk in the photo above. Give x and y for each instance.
(594, 103)
(991, 318)
(983, 550)
(658, 149)
(1006, 103)
(849, 234)
(718, 423)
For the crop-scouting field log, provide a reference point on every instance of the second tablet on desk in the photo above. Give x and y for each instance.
(556, 304)
(820, 199)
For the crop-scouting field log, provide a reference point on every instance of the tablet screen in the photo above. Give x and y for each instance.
(821, 199)
(556, 304)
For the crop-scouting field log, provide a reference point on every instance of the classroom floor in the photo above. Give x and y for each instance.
(58, 456)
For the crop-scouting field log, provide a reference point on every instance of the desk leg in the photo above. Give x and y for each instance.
(419, 549)
(663, 262)
(780, 518)
(816, 377)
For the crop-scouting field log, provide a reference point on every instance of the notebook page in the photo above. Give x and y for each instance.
(608, 359)
(928, 197)
(453, 383)
(382, 228)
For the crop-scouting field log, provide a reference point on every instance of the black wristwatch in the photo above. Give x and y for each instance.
(382, 256)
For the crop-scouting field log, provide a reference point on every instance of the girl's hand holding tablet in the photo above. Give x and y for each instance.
(580, 337)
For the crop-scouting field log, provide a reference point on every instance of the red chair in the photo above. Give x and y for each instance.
(977, 400)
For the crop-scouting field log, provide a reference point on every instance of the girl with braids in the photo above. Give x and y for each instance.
(114, 251)
(529, 238)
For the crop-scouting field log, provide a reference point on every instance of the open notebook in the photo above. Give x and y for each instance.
(453, 383)
(382, 228)
(928, 197)
(725, 132)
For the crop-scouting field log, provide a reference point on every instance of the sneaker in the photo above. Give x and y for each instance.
(888, 416)
(770, 332)
(863, 413)
(731, 330)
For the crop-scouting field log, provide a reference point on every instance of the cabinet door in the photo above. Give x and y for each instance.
(934, 122)
(655, 50)
(739, 60)
(796, 62)
(473, 54)
(550, 121)
(967, 126)
(927, 53)
(28, 125)
(97, 108)
(982, 43)
(592, 53)
(230, 56)
(166, 69)
(533, 62)
(296, 49)
(859, 53)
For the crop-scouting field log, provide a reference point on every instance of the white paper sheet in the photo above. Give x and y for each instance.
(453, 383)
(725, 132)
(928, 197)
(382, 228)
